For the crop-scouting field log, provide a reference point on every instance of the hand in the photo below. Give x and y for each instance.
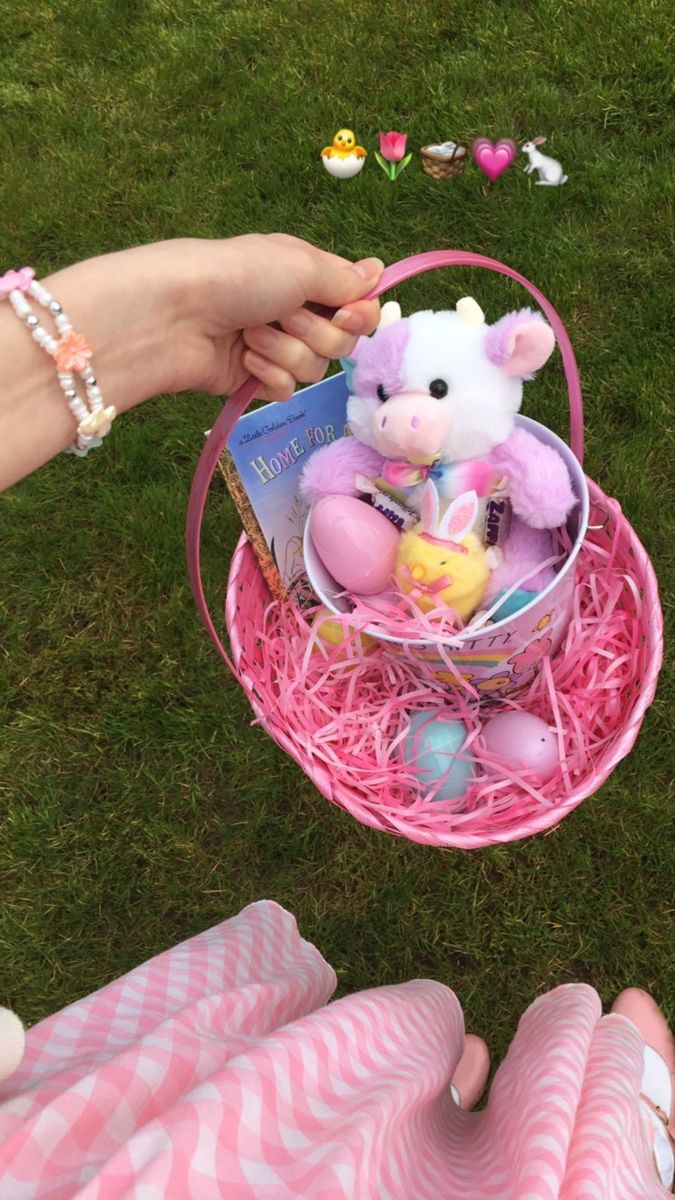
(279, 275)
(197, 315)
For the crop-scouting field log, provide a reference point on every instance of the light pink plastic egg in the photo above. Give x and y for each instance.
(523, 742)
(355, 543)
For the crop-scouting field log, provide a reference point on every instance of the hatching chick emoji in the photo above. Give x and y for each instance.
(444, 562)
(344, 158)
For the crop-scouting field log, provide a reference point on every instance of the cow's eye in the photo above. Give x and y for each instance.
(438, 388)
(382, 393)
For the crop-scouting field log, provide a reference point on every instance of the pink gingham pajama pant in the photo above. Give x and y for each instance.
(219, 1069)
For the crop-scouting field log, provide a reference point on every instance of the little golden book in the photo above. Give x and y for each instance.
(269, 448)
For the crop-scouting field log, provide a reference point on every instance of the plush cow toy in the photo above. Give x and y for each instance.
(434, 396)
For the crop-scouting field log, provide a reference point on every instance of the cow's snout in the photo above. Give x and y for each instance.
(412, 425)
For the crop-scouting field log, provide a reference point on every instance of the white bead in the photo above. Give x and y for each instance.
(21, 307)
(32, 321)
(38, 335)
(62, 323)
(66, 378)
(51, 344)
(75, 401)
(95, 395)
(54, 307)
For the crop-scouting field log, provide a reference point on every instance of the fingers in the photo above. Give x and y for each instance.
(277, 384)
(336, 285)
(303, 347)
(361, 317)
(327, 278)
(301, 350)
(305, 331)
(294, 356)
(296, 243)
(305, 356)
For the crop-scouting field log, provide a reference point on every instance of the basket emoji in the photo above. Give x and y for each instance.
(595, 688)
(443, 166)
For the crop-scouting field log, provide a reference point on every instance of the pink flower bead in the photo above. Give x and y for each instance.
(72, 352)
(13, 281)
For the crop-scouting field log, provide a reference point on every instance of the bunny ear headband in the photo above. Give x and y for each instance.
(455, 523)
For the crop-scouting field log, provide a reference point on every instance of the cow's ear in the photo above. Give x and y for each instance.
(520, 343)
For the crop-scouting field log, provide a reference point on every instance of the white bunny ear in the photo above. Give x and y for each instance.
(430, 507)
(460, 517)
(538, 141)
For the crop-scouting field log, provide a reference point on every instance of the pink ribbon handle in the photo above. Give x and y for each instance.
(239, 401)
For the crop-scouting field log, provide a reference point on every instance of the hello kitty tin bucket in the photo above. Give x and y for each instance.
(496, 659)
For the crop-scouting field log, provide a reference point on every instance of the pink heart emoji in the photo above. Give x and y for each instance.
(494, 158)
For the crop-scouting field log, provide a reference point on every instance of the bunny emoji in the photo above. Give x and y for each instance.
(441, 561)
(550, 170)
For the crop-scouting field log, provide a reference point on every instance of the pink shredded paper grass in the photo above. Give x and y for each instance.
(343, 712)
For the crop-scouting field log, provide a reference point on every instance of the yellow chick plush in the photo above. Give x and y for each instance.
(443, 562)
(344, 158)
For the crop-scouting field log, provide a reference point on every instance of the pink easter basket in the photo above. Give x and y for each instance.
(603, 676)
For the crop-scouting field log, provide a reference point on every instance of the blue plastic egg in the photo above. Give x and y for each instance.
(430, 748)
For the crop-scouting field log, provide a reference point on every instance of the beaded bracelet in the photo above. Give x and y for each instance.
(71, 353)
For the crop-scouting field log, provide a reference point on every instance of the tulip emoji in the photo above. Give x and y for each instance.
(392, 156)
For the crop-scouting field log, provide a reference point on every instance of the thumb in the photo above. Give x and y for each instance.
(336, 284)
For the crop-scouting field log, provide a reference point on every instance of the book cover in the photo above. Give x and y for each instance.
(269, 448)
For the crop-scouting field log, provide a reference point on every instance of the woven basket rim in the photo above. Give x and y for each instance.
(543, 820)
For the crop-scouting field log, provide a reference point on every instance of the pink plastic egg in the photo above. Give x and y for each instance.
(523, 742)
(355, 543)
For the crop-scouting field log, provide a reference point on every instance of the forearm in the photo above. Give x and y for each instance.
(128, 334)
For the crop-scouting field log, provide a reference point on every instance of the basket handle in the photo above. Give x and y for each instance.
(239, 401)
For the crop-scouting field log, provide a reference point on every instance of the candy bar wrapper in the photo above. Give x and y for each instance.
(497, 518)
(400, 516)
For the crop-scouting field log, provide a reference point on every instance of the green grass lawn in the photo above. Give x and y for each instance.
(138, 806)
